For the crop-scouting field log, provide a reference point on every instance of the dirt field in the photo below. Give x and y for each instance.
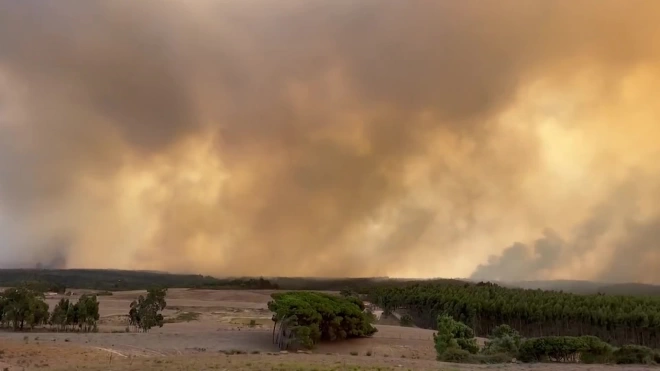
(205, 325)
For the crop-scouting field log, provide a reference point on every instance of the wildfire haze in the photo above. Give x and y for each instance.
(493, 139)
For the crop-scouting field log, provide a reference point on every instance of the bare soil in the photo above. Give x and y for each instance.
(207, 324)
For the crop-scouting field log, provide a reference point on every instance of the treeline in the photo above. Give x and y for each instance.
(119, 280)
(358, 285)
(456, 342)
(23, 308)
(534, 313)
(587, 287)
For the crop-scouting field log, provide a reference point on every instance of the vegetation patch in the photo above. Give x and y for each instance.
(23, 307)
(251, 322)
(406, 321)
(83, 315)
(145, 312)
(305, 318)
(618, 320)
(184, 317)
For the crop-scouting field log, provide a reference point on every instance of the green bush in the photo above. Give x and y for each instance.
(371, 317)
(503, 339)
(454, 334)
(595, 350)
(634, 354)
(564, 349)
(406, 321)
(491, 359)
(455, 355)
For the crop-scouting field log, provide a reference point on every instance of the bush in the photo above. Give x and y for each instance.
(564, 349)
(491, 359)
(634, 354)
(595, 350)
(503, 339)
(455, 355)
(406, 321)
(371, 317)
(454, 334)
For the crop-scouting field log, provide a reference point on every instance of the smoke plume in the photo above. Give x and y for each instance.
(332, 138)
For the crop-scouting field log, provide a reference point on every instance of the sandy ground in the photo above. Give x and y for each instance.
(221, 325)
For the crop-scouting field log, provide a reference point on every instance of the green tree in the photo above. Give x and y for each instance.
(454, 334)
(23, 306)
(503, 339)
(305, 318)
(88, 312)
(58, 317)
(144, 312)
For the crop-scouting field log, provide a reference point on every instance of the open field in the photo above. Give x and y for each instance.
(205, 324)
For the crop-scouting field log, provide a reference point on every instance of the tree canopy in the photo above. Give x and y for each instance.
(310, 317)
(145, 312)
(22, 306)
(534, 313)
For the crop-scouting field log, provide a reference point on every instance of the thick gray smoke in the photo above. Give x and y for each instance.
(616, 228)
(321, 137)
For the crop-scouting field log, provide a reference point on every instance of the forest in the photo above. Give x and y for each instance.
(57, 280)
(120, 280)
(616, 319)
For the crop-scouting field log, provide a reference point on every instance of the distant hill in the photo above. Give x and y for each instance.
(121, 280)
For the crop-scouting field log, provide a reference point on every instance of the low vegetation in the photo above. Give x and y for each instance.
(407, 321)
(183, 317)
(305, 318)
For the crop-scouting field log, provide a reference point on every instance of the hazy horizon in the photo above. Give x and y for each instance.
(496, 140)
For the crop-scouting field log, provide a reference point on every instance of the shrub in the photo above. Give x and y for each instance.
(371, 317)
(406, 321)
(503, 339)
(491, 359)
(454, 334)
(454, 355)
(564, 349)
(634, 354)
(595, 350)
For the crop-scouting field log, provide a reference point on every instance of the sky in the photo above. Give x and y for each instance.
(508, 139)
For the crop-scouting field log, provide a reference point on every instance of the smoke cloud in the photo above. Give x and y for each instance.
(332, 138)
